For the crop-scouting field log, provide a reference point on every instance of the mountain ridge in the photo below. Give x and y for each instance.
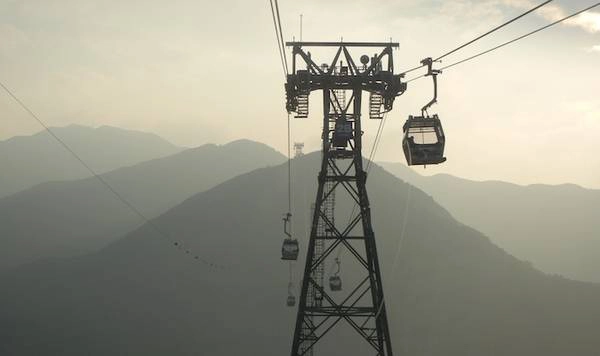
(65, 218)
(553, 226)
(38, 158)
(450, 292)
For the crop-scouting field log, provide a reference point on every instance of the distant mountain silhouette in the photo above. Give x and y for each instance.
(556, 227)
(60, 219)
(452, 292)
(29, 160)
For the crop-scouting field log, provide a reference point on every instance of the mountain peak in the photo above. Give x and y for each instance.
(38, 158)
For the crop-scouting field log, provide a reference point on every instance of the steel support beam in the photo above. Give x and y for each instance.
(363, 308)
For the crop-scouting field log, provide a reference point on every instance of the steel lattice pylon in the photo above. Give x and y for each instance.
(363, 305)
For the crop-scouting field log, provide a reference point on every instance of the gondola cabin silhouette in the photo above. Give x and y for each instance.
(291, 301)
(424, 140)
(335, 283)
(290, 249)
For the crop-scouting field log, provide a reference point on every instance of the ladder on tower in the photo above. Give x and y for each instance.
(340, 100)
(307, 333)
(324, 232)
(314, 298)
(302, 109)
(339, 95)
(375, 103)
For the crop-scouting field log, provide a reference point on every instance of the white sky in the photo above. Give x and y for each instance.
(208, 71)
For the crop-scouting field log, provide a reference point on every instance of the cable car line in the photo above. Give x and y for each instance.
(289, 163)
(513, 40)
(278, 42)
(403, 230)
(492, 30)
(522, 37)
(279, 36)
(482, 36)
(289, 252)
(110, 188)
(376, 148)
(290, 247)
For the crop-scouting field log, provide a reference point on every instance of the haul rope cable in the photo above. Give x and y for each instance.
(279, 42)
(513, 40)
(281, 35)
(481, 36)
(119, 197)
(281, 48)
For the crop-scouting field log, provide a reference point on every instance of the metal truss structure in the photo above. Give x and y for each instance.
(342, 82)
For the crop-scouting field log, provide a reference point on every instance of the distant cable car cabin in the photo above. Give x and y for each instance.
(424, 140)
(290, 248)
(291, 301)
(335, 283)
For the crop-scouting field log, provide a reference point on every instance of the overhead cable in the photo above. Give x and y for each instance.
(521, 37)
(492, 31)
(482, 36)
(512, 41)
(110, 188)
(281, 36)
(279, 41)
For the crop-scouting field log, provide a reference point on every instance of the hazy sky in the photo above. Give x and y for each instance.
(208, 71)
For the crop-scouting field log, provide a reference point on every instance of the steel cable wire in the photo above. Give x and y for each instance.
(504, 44)
(482, 36)
(161, 233)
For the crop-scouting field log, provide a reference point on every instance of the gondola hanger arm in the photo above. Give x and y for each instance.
(433, 73)
(286, 221)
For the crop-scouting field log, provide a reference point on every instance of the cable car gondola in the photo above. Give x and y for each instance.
(290, 249)
(335, 281)
(291, 298)
(424, 140)
(291, 301)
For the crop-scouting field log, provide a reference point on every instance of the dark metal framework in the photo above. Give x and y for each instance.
(363, 305)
